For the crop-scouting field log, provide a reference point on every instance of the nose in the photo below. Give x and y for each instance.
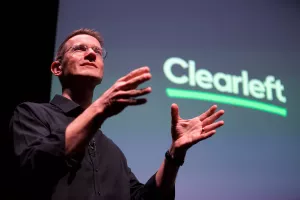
(90, 55)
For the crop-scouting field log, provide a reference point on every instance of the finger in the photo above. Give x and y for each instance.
(132, 102)
(207, 134)
(203, 136)
(134, 82)
(135, 73)
(174, 113)
(213, 118)
(208, 113)
(213, 126)
(134, 93)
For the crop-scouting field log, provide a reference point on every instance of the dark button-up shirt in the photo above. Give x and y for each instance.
(101, 172)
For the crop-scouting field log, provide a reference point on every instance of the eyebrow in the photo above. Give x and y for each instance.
(94, 46)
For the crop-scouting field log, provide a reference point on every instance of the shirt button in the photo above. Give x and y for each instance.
(99, 193)
(96, 170)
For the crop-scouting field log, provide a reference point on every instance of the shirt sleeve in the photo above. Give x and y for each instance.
(148, 191)
(39, 153)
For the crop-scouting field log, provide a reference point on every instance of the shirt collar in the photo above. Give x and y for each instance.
(65, 104)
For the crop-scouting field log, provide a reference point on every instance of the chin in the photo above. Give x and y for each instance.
(88, 78)
(96, 80)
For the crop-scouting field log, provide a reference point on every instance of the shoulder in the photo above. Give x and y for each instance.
(32, 107)
(29, 108)
(29, 112)
(27, 105)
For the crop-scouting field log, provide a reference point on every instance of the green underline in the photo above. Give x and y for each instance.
(226, 99)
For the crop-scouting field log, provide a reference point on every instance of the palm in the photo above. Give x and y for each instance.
(187, 132)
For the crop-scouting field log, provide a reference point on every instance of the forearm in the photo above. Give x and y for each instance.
(167, 173)
(82, 129)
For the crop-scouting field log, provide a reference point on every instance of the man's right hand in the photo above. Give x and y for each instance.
(124, 93)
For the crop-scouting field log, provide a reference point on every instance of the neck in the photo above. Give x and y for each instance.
(82, 96)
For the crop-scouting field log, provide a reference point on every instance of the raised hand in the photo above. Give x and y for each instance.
(124, 92)
(187, 132)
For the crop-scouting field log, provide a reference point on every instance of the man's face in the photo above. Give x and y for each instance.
(83, 58)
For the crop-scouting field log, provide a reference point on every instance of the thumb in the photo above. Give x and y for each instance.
(174, 113)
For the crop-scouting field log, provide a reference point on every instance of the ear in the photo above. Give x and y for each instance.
(56, 68)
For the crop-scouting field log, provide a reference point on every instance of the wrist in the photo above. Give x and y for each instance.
(175, 156)
(177, 151)
(99, 113)
(173, 160)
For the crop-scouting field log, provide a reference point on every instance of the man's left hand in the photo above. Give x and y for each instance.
(187, 132)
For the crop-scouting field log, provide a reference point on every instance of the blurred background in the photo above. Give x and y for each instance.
(241, 55)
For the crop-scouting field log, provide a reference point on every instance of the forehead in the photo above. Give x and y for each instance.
(83, 39)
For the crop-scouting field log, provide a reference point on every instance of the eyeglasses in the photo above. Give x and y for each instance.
(81, 48)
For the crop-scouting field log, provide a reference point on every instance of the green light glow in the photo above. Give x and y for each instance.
(226, 99)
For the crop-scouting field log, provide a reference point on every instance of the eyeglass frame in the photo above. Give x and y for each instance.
(103, 53)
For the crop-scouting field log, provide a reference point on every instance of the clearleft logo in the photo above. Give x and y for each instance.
(234, 89)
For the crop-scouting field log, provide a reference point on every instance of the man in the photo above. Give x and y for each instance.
(59, 146)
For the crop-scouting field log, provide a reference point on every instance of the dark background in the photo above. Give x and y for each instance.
(28, 38)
